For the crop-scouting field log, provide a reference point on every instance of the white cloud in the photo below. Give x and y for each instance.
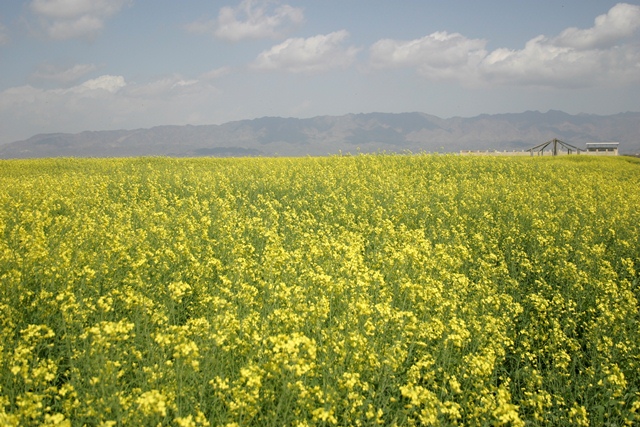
(313, 54)
(67, 19)
(251, 19)
(437, 56)
(106, 102)
(111, 84)
(543, 63)
(620, 22)
(600, 55)
(215, 73)
(49, 72)
(604, 54)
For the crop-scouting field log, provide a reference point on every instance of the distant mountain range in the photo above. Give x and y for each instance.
(351, 133)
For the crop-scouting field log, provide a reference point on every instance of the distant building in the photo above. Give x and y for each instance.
(603, 148)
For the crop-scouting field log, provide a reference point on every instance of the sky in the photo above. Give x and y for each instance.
(76, 65)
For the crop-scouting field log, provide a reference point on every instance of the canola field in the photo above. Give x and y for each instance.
(391, 290)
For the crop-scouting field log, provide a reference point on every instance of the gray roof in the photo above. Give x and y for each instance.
(602, 144)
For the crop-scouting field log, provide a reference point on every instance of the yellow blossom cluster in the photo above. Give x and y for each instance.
(390, 290)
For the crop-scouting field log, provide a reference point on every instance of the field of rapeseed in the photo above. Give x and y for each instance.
(348, 291)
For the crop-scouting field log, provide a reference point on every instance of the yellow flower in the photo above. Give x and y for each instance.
(152, 402)
(578, 415)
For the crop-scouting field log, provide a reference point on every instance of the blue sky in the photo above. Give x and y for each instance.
(74, 65)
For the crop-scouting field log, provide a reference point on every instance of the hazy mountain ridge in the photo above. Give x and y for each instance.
(322, 135)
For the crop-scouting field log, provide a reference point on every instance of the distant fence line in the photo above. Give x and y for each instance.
(535, 153)
(494, 153)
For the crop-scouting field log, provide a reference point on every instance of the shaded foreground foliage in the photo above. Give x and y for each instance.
(365, 290)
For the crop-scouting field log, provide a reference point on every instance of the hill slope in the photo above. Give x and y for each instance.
(322, 135)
